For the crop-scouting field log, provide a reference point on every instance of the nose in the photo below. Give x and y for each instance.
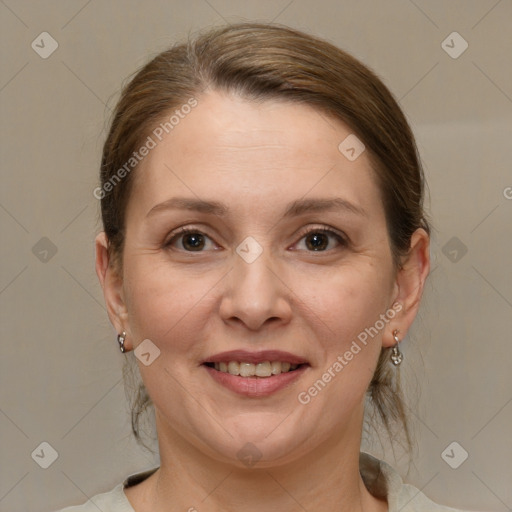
(256, 293)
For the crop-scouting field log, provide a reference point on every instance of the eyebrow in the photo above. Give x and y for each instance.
(295, 208)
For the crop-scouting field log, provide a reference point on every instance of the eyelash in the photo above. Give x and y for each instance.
(324, 230)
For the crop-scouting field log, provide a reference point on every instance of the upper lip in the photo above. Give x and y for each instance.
(255, 357)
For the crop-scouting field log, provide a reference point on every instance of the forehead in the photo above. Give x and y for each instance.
(269, 149)
(273, 128)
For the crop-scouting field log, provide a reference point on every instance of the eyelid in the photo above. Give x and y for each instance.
(341, 237)
(323, 229)
(184, 230)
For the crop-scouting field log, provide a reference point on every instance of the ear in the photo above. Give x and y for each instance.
(409, 284)
(112, 285)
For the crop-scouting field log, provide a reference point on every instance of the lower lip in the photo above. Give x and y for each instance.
(256, 387)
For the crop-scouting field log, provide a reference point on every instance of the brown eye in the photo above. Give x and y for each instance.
(318, 239)
(193, 241)
(188, 240)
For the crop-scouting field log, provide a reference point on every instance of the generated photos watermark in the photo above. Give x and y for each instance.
(151, 142)
(344, 359)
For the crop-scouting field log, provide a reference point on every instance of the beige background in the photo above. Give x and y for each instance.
(60, 367)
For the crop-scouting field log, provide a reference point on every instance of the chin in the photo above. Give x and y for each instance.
(263, 447)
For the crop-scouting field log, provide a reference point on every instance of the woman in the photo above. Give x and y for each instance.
(264, 252)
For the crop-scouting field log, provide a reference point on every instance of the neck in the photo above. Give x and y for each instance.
(326, 478)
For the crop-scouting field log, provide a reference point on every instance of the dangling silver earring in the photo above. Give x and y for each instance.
(396, 356)
(120, 339)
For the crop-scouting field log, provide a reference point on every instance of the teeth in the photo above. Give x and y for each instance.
(276, 367)
(264, 369)
(247, 370)
(234, 368)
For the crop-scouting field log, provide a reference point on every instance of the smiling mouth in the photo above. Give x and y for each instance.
(262, 370)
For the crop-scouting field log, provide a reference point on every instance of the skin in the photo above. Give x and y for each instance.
(257, 158)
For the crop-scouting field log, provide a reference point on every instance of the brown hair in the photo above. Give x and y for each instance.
(269, 61)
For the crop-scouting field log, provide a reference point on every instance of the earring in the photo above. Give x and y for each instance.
(396, 355)
(120, 339)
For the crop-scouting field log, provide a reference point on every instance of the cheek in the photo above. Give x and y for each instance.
(349, 301)
(348, 327)
(164, 306)
(346, 319)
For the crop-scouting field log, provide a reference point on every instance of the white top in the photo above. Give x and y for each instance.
(378, 476)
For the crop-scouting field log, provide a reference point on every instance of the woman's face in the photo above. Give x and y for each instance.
(271, 264)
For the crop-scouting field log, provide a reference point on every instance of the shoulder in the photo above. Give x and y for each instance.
(383, 481)
(412, 499)
(114, 500)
